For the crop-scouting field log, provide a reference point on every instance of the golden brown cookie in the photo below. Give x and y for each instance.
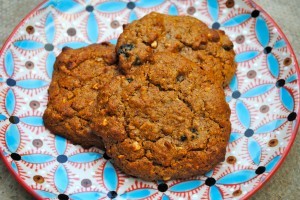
(166, 120)
(184, 34)
(78, 75)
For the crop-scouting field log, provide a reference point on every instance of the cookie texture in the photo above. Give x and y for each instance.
(184, 34)
(78, 75)
(168, 119)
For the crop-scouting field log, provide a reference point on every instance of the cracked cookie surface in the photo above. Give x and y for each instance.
(77, 77)
(184, 34)
(166, 120)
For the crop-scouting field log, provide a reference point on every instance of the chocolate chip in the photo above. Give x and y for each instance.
(292, 116)
(193, 130)
(30, 29)
(183, 138)
(180, 78)
(124, 49)
(137, 61)
(129, 80)
(227, 47)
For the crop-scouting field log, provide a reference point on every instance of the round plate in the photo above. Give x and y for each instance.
(263, 96)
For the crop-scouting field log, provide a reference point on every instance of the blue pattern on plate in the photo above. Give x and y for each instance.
(61, 179)
(173, 10)
(9, 63)
(234, 137)
(33, 121)
(85, 157)
(271, 126)
(239, 19)
(286, 99)
(273, 65)
(186, 186)
(32, 83)
(38, 158)
(243, 114)
(215, 193)
(259, 90)
(237, 177)
(60, 145)
(213, 9)
(254, 150)
(10, 101)
(92, 28)
(245, 56)
(12, 138)
(87, 195)
(110, 177)
(138, 194)
(262, 31)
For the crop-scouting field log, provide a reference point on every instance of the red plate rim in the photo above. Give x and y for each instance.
(248, 195)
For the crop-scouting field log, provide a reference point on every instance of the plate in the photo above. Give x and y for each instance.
(263, 96)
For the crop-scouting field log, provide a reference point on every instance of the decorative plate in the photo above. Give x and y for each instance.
(263, 96)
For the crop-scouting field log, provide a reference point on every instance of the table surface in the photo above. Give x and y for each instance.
(284, 184)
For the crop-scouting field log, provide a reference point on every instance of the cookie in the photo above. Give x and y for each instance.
(78, 75)
(184, 34)
(168, 119)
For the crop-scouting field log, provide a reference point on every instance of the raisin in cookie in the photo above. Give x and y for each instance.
(166, 120)
(184, 34)
(77, 77)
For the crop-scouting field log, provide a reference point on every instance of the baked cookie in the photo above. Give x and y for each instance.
(184, 34)
(77, 77)
(166, 120)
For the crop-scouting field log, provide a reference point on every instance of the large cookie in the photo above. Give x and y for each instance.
(77, 77)
(184, 34)
(166, 120)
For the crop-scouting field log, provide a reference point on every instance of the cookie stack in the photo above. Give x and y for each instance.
(155, 102)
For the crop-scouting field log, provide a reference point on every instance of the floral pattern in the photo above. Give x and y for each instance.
(263, 96)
